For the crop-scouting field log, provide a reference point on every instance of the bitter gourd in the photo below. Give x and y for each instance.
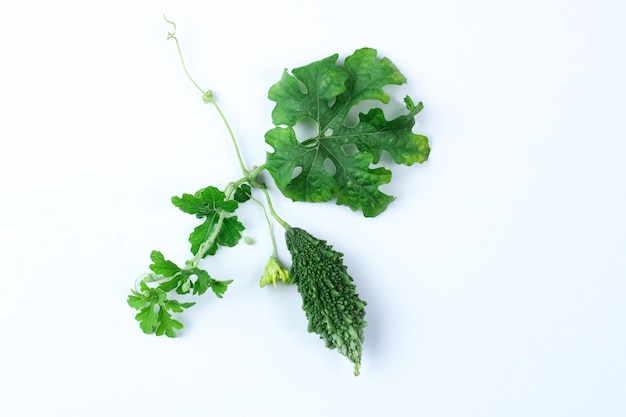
(329, 299)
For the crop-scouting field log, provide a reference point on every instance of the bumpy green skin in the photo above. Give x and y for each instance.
(329, 297)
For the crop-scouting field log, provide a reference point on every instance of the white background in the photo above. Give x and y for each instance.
(495, 281)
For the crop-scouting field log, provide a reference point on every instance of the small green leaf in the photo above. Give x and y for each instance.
(220, 287)
(154, 310)
(205, 202)
(243, 193)
(215, 199)
(168, 286)
(147, 319)
(219, 227)
(180, 282)
(162, 266)
(203, 281)
(202, 233)
(229, 233)
(188, 203)
(176, 306)
(137, 300)
(167, 324)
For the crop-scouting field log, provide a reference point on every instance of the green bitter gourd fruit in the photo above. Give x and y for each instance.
(329, 299)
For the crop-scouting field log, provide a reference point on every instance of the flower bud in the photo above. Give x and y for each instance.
(274, 271)
(207, 97)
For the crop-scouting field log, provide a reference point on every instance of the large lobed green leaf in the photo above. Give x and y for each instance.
(339, 161)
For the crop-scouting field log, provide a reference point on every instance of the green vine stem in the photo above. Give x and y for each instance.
(250, 176)
(207, 96)
(207, 244)
(269, 225)
(283, 223)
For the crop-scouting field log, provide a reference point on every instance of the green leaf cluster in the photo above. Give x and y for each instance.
(155, 310)
(181, 279)
(339, 161)
(219, 227)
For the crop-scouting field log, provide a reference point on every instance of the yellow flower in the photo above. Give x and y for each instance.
(274, 271)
